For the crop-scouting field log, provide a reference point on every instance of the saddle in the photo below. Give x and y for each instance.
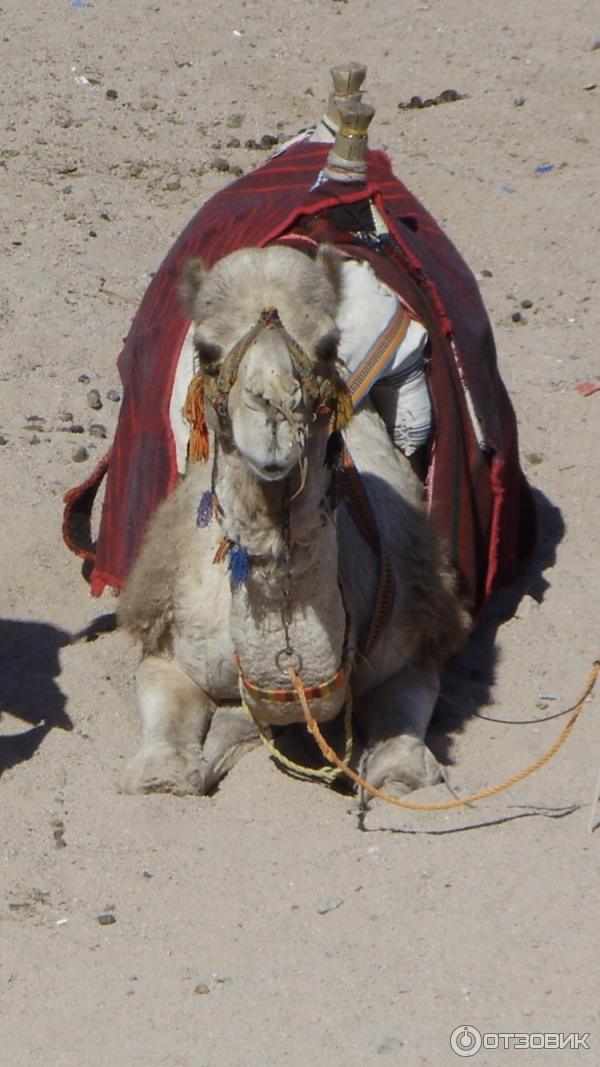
(477, 497)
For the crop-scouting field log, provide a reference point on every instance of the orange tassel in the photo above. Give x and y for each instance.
(194, 413)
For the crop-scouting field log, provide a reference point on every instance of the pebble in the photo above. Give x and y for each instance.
(517, 317)
(448, 96)
(201, 989)
(3, 440)
(74, 427)
(84, 379)
(112, 94)
(107, 919)
(80, 454)
(148, 105)
(113, 395)
(527, 303)
(94, 400)
(330, 904)
(220, 163)
(34, 439)
(173, 185)
(98, 430)
(65, 416)
(487, 274)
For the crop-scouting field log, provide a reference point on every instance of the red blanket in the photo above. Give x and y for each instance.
(479, 501)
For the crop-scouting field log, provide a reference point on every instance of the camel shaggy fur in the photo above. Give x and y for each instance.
(211, 644)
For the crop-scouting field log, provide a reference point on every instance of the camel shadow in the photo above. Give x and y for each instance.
(468, 680)
(29, 663)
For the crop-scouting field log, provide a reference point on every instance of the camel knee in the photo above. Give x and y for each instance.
(404, 704)
(400, 765)
(173, 708)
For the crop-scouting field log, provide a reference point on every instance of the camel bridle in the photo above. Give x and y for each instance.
(328, 395)
(320, 390)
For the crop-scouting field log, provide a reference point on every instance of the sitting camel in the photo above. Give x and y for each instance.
(254, 564)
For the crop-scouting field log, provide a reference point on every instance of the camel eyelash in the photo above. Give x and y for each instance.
(326, 349)
(207, 354)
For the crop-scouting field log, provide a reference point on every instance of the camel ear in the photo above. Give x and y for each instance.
(331, 262)
(190, 284)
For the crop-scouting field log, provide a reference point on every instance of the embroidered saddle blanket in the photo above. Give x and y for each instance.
(477, 497)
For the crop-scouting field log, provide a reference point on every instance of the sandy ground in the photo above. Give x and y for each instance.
(117, 121)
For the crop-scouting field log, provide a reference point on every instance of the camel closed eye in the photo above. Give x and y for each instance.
(209, 355)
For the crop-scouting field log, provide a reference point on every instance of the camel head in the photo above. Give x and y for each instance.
(266, 344)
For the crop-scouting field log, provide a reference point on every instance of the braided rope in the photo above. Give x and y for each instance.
(322, 774)
(444, 805)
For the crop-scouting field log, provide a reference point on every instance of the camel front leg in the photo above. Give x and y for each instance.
(175, 715)
(231, 734)
(394, 718)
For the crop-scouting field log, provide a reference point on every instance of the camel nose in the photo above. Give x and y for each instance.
(270, 382)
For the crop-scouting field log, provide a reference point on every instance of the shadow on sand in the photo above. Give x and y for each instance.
(29, 663)
(468, 680)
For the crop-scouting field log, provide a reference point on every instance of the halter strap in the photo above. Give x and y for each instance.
(268, 319)
(289, 696)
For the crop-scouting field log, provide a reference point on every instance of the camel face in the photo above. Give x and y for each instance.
(268, 351)
(268, 409)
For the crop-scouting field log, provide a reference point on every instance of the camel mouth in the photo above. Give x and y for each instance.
(272, 472)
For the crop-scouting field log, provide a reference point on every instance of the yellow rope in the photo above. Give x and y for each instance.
(322, 774)
(444, 805)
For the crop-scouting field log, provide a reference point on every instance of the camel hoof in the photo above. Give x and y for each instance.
(162, 768)
(400, 765)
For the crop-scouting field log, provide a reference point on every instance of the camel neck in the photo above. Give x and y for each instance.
(261, 516)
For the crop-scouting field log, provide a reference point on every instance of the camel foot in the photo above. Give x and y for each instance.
(400, 765)
(163, 768)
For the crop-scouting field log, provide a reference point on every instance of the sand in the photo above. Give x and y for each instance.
(118, 121)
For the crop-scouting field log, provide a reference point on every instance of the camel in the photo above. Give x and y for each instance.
(297, 583)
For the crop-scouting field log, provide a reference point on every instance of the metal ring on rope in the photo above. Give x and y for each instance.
(289, 652)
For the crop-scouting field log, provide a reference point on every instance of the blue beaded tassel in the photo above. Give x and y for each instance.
(239, 564)
(205, 509)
